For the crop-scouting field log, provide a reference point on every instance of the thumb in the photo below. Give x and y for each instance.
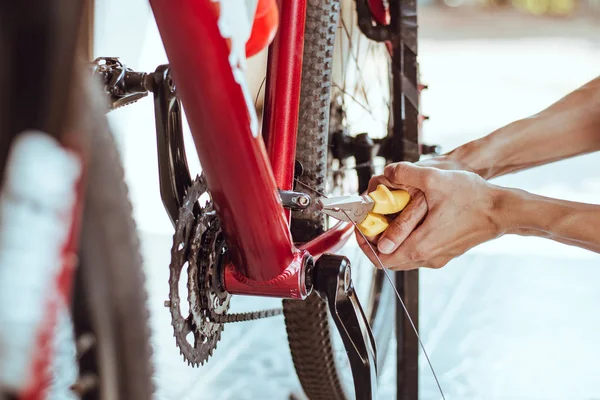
(404, 173)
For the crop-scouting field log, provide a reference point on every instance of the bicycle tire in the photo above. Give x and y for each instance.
(49, 91)
(110, 299)
(308, 325)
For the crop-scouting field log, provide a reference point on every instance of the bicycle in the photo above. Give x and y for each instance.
(259, 233)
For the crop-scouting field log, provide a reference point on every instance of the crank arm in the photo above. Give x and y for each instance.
(333, 283)
(173, 172)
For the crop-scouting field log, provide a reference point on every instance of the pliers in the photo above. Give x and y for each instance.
(367, 211)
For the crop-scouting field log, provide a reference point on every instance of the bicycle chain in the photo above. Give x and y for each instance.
(198, 241)
(247, 316)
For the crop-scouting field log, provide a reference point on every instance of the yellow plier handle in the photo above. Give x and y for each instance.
(386, 202)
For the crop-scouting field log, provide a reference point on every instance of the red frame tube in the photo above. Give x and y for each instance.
(282, 94)
(41, 378)
(380, 12)
(40, 382)
(330, 241)
(243, 186)
(289, 284)
(247, 203)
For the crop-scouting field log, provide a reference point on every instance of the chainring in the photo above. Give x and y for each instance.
(204, 294)
(198, 242)
(195, 243)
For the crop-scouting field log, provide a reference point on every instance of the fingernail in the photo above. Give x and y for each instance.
(385, 246)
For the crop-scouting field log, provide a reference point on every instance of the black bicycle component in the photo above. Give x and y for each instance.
(124, 85)
(340, 144)
(404, 142)
(367, 24)
(332, 281)
(427, 149)
(362, 147)
(363, 154)
(294, 200)
(298, 169)
(173, 171)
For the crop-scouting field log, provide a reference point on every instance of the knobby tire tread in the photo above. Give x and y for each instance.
(307, 321)
(111, 259)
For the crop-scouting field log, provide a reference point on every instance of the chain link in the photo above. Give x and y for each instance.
(246, 316)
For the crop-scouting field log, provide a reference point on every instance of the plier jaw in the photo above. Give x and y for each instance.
(368, 211)
(347, 208)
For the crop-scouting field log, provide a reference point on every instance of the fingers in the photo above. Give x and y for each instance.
(379, 260)
(408, 174)
(373, 239)
(405, 258)
(379, 180)
(436, 263)
(403, 224)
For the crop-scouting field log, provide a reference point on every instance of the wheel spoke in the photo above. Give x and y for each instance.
(355, 86)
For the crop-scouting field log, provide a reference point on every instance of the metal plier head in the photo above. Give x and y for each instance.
(369, 212)
(347, 208)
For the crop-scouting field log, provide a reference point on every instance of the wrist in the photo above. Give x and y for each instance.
(489, 155)
(475, 157)
(520, 212)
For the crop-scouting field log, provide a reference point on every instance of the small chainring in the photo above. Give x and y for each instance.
(195, 243)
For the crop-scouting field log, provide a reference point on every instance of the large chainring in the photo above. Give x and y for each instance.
(197, 243)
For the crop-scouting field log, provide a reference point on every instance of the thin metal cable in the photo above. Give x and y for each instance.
(259, 89)
(387, 275)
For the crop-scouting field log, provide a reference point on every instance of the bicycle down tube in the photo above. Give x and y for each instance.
(264, 260)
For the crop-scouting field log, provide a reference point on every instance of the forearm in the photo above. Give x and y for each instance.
(567, 128)
(572, 223)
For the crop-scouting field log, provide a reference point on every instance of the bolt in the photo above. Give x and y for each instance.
(347, 280)
(171, 84)
(303, 201)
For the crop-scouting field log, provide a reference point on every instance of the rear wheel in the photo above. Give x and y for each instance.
(337, 63)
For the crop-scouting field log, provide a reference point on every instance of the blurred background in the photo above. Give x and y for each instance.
(516, 318)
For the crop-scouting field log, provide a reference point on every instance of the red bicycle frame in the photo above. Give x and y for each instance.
(243, 178)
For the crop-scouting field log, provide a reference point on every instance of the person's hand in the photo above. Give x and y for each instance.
(449, 213)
